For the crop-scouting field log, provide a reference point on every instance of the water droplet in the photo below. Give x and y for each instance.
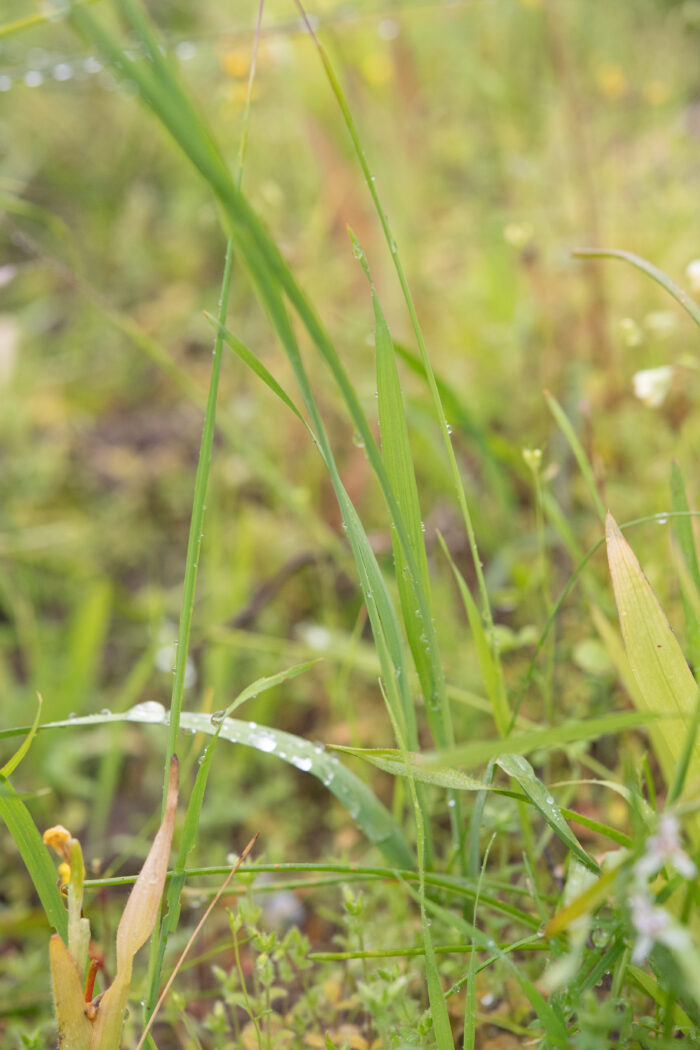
(92, 65)
(452, 802)
(105, 711)
(186, 50)
(358, 440)
(72, 715)
(302, 762)
(662, 519)
(33, 78)
(62, 71)
(218, 717)
(149, 711)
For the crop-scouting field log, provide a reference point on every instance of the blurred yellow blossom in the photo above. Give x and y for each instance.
(377, 68)
(611, 81)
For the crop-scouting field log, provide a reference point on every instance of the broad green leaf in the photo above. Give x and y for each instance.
(665, 683)
(520, 769)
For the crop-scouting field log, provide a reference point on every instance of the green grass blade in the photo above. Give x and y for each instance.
(577, 449)
(551, 1022)
(87, 634)
(491, 670)
(477, 753)
(688, 304)
(520, 770)
(683, 531)
(664, 680)
(689, 744)
(260, 685)
(370, 815)
(392, 761)
(194, 542)
(35, 855)
(12, 763)
(414, 587)
(410, 305)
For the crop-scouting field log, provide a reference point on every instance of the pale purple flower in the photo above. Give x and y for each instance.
(665, 848)
(654, 926)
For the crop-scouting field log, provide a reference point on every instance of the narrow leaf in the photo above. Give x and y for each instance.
(12, 763)
(683, 531)
(688, 304)
(520, 769)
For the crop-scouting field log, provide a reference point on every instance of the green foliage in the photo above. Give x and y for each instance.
(403, 579)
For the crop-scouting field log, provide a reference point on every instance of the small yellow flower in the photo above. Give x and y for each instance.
(59, 839)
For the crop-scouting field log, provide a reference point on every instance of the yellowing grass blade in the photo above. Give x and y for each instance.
(665, 683)
(74, 1029)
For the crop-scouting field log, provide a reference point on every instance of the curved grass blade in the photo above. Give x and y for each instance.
(12, 763)
(520, 770)
(688, 304)
(364, 807)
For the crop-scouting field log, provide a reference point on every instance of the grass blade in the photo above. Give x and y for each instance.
(577, 448)
(688, 304)
(12, 763)
(359, 800)
(35, 856)
(520, 769)
(664, 680)
(683, 531)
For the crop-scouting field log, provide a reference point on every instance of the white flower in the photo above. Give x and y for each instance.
(692, 272)
(654, 926)
(665, 848)
(652, 384)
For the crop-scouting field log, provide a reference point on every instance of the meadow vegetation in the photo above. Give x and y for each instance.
(351, 567)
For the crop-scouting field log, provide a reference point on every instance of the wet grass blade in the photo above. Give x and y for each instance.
(520, 770)
(370, 815)
(688, 304)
